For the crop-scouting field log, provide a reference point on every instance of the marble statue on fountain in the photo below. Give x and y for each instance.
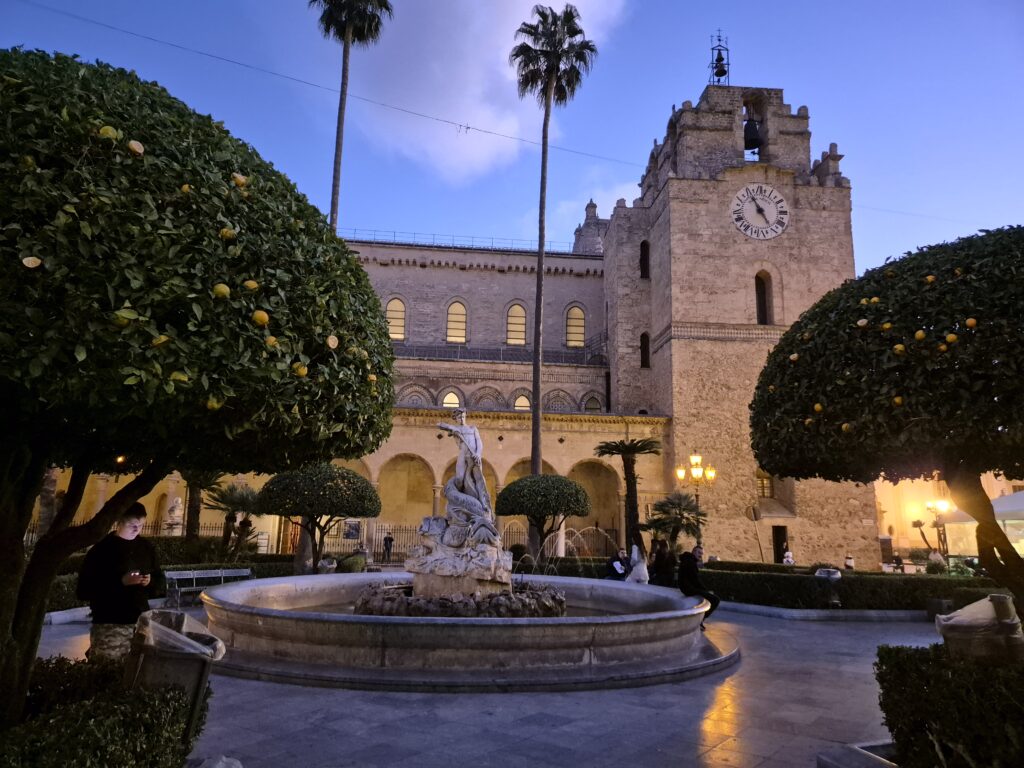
(461, 552)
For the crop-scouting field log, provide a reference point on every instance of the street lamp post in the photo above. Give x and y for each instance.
(699, 475)
(937, 508)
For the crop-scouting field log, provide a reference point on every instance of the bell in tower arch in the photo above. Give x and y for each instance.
(752, 135)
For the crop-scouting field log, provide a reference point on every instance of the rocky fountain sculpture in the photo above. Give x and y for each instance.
(461, 553)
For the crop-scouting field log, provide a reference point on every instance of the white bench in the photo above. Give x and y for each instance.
(183, 587)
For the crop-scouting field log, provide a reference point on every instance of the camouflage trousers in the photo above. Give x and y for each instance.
(110, 641)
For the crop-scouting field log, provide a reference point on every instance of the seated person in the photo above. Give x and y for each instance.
(690, 583)
(617, 568)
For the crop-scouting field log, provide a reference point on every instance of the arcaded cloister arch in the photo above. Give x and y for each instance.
(601, 483)
(406, 488)
(490, 480)
(522, 468)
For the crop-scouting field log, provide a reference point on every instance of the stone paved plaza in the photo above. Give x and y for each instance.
(800, 688)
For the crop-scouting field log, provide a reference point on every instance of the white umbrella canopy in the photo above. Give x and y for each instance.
(1009, 507)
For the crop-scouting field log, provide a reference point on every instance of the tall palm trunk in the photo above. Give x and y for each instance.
(339, 134)
(536, 460)
(633, 535)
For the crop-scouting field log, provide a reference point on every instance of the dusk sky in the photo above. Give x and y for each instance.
(923, 99)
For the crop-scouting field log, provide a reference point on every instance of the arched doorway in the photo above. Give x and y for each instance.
(490, 479)
(602, 486)
(406, 488)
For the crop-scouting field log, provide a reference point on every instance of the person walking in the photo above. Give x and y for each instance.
(690, 583)
(389, 542)
(118, 577)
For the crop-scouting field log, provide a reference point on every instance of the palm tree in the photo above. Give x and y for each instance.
(234, 500)
(676, 514)
(550, 63)
(629, 450)
(920, 524)
(348, 22)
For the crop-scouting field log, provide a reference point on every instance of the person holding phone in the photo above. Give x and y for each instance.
(119, 576)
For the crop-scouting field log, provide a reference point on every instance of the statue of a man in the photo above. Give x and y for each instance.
(469, 474)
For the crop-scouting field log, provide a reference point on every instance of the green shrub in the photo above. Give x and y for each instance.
(77, 714)
(62, 594)
(743, 567)
(935, 567)
(966, 595)
(959, 713)
(855, 590)
(517, 550)
(348, 563)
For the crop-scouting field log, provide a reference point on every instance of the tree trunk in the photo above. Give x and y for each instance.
(633, 534)
(193, 510)
(995, 551)
(228, 531)
(303, 560)
(24, 587)
(533, 540)
(536, 460)
(339, 133)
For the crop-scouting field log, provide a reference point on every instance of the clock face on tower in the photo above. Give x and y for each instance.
(760, 212)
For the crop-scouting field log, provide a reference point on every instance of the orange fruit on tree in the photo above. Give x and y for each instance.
(239, 180)
(108, 132)
(930, 279)
(227, 233)
(886, 326)
(186, 188)
(818, 407)
(898, 400)
(951, 338)
(970, 322)
(943, 348)
(899, 349)
(221, 291)
(808, 421)
(300, 370)
(875, 299)
(250, 285)
(794, 357)
(847, 427)
(271, 341)
(160, 340)
(260, 317)
(862, 323)
(136, 148)
(920, 335)
(214, 403)
(371, 378)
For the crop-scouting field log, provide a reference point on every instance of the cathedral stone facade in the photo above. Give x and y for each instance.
(655, 325)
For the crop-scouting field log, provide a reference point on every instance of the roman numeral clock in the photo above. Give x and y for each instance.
(760, 212)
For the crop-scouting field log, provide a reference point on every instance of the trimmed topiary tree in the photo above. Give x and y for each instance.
(547, 501)
(317, 498)
(914, 368)
(166, 297)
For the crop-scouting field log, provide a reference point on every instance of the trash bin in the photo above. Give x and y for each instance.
(172, 648)
(827, 578)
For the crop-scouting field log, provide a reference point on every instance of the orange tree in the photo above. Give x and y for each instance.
(916, 367)
(166, 297)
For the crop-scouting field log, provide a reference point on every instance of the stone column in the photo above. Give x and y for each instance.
(100, 489)
(437, 501)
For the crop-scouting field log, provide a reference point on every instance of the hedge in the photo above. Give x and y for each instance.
(855, 590)
(78, 714)
(959, 713)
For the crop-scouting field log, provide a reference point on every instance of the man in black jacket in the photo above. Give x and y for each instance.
(689, 579)
(119, 576)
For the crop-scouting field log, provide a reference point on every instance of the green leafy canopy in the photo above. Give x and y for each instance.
(543, 497)
(121, 211)
(916, 366)
(319, 491)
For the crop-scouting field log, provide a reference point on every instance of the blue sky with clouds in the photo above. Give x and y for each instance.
(923, 98)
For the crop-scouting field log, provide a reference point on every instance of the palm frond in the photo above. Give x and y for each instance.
(645, 445)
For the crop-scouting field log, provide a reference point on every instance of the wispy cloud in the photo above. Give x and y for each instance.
(449, 58)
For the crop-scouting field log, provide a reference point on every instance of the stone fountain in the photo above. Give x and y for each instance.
(302, 629)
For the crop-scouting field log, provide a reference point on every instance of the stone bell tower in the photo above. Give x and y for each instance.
(734, 235)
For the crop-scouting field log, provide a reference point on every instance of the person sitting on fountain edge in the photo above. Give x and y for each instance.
(690, 583)
(617, 568)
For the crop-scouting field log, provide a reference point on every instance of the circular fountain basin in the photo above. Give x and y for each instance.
(632, 634)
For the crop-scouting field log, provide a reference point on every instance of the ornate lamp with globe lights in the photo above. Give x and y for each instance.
(696, 475)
